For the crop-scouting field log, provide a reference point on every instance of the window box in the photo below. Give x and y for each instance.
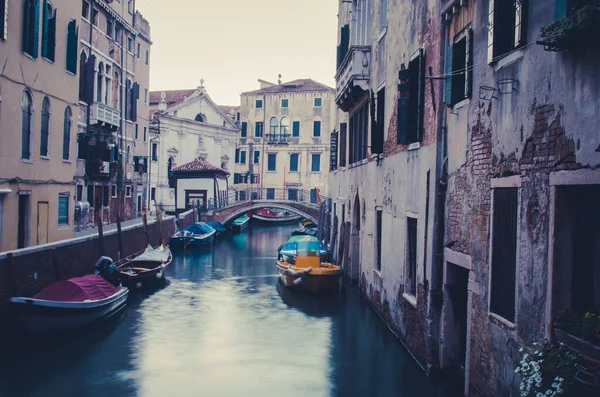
(578, 29)
(579, 345)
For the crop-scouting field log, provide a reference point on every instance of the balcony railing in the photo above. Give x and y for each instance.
(352, 78)
(278, 138)
(101, 113)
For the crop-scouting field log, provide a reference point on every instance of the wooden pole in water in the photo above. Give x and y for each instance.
(145, 222)
(119, 236)
(160, 227)
(100, 232)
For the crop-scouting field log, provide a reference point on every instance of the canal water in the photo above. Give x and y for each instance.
(224, 326)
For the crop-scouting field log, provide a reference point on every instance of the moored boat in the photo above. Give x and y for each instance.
(70, 304)
(275, 216)
(240, 223)
(289, 250)
(144, 267)
(193, 236)
(218, 226)
(306, 231)
(308, 272)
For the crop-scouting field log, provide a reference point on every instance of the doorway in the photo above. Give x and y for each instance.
(23, 221)
(42, 222)
(139, 204)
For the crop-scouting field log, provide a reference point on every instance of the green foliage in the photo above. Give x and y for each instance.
(585, 325)
(582, 23)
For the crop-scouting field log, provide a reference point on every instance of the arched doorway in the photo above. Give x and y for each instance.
(355, 240)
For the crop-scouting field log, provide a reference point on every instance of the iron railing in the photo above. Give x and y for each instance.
(310, 197)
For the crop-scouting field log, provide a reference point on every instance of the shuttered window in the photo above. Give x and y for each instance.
(243, 157)
(284, 103)
(342, 144)
(315, 165)
(259, 104)
(31, 18)
(45, 127)
(296, 129)
(26, 115)
(377, 133)
(72, 38)
(316, 128)
(459, 65)
(504, 252)
(63, 209)
(244, 132)
(318, 102)
(3, 19)
(411, 104)
(258, 129)
(48, 32)
(272, 162)
(237, 156)
(67, 134)
(342, 49)
(256, 158)
(294, 162)
(135, 95)
(507, 26)
(359, 130)
(89, 80)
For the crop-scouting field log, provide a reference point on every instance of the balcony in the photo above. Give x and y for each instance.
(278, 139)
(101, 113)
(352, 77)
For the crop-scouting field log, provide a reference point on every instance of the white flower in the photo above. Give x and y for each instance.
(554, 384)
(517, 370)
(540, 395)
(520, 350)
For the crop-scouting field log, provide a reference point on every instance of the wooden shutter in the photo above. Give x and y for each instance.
(36, 28)
(419, 128)
(296, 128)
(237, 156)
(490, 53)
(317, 128)
(448, 79)
(45, 20)
(135, 94)
(344, 42)
(26, 39)
(521, 22)
(469, 59)
(51, 41)
(4, 19)
(342, 144)
(459, 54)
(90, 68)
(72, 37)
(67, 134)
(402, 130)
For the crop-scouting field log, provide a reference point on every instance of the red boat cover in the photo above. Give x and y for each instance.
(78, 289)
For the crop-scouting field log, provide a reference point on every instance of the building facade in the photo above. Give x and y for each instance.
(284, 140)
(38, 114)
(113, 130)
(187, 125)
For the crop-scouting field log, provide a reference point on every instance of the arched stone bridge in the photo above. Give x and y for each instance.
(233, 211)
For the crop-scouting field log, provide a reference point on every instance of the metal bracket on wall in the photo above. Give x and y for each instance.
(487, 93)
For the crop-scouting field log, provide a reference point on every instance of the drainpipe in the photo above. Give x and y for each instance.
(441, 179)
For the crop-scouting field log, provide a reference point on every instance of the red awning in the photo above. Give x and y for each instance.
(78, 289)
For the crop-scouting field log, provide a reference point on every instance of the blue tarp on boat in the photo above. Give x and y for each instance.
(217, 226)
(198, 228)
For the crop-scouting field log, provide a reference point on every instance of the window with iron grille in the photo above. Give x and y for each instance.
(507, 26)
(504, 252)
(459, 65)
(411, 103)
(411, 256)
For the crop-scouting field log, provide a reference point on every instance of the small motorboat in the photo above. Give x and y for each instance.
(219, 228)
(306, 231)
(70, 304)
(240, 223)
(144, 267)
(275, 216)
(308, 272)
(307, 223)
(195, 235)
(288, 251)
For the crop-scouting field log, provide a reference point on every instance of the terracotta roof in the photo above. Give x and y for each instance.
(198, 165)
(300, 85)
(173, 97)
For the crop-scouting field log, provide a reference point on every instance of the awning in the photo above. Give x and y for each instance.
(5, 191)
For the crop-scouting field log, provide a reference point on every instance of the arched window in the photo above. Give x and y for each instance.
(45, 127)
(82, 73)
(31, 15)
(72, 47)
(285, 126)
(26, 122)
(48, 31)
(67, 134)
(99, 79)
(273, 125)
(116, 92)
(199, 118)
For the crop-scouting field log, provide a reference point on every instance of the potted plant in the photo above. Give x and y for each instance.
(579, 331)
(580, 27)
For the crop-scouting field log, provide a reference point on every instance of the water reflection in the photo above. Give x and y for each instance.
(225, 326)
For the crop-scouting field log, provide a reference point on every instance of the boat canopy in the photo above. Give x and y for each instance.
(198, 228)
(79, 289)
(302, 237)
(303, 248)
(216, 225)
(152, 255)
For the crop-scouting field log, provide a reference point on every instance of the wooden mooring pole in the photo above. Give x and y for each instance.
(100, 232)
(145, 221)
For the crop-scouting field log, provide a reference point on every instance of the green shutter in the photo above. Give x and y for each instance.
(36, 29)
(402, 129)
(560, 9)
(448, 78)
(296, 128)
(51, 37)
(72, 47)
(244, 129)
(45, 19)
(317, 129)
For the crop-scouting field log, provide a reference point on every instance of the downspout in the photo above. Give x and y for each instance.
(441, 180)
(88, 111)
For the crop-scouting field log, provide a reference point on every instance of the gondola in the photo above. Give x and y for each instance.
(141, 268)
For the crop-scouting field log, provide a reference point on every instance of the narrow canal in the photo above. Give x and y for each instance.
(225, 326)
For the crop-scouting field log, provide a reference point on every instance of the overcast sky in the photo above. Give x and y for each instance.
(232, 43)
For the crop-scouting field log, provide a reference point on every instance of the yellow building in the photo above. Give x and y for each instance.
(38, 114)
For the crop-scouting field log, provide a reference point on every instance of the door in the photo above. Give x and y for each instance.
(139, 204)
(23, 221)
(42, 222)
(455, 316)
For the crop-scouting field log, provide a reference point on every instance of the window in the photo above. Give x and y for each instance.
(562, 8)
(295, 128)
(128, 190)
(459, 66)
(31, 15)
(504, 252)
(113, 191)
(270, 193)
(258, 129)
(154, 151)
(315, 165)
(316, 128)
(284, 103)
(271, 161)
(48, 31)
(411, 256)
(3, 36)
(105, 201)
(129, 44)
(136, 132)
(72, 38)
(100, 79)
(153, 194)
(26, 121)
(63, 209)
(145, 95)
(273, 125)
(109, 27)
(507, 22)
(292, 194)
(237, 156)
(139, 50)
(377, 133)
(255, 178)
(294, 162)
(145, 134)
(85, 9)
(256, 156)
(67, 134)
(45, 127)
(242, 157)
(95, 17)
(342, 144)
(79, 193)
(411, 104)
(82, 75)
(147, 57)
(359, 130)
(244, 132)
(284, 129)
(378, 229)
(259, 104)
(118, 34)
(318, 102)
(383, 6)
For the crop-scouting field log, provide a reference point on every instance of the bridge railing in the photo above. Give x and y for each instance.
(309, 197)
